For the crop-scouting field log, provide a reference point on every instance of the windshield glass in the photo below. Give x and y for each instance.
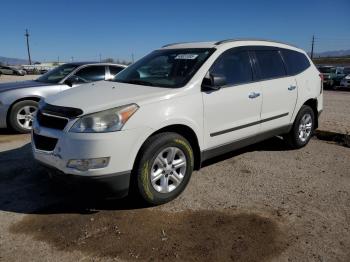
(327, 70)
(347, 71)
(57, 74)
(165, 68)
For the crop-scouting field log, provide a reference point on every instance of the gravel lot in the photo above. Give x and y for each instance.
(11, 78)
(261, 203)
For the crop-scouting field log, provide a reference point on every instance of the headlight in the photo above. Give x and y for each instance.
(105, 121)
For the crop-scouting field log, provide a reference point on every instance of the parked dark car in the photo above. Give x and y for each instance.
(8, 70)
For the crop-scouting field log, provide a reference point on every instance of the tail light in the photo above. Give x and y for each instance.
(322, 79)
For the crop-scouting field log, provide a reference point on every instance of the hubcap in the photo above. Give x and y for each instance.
(168, 169)
(305, 127)
(25, 116)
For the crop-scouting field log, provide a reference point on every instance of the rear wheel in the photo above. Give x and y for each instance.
(164, 168)
(302, 129)
(22, 115)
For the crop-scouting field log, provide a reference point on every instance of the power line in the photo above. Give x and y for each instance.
(28, 49)
(312, 46)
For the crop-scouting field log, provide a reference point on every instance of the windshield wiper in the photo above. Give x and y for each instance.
(138, 82)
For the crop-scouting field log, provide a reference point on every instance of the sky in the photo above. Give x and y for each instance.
(87, 29)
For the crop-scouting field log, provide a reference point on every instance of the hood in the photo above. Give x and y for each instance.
(22, 84)
(104, 95)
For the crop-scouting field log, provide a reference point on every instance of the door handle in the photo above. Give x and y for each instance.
(253, 95)
(290, 88)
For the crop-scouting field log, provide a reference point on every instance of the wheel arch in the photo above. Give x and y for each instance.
(312, 102)
(30, 98)
(183, 130)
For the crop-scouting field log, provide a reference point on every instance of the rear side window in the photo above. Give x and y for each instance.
(113, 70)
(92, 73)
(270, 64)
(235, 66)
(296, 62)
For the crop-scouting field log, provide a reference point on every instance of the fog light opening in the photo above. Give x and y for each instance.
(87, 164)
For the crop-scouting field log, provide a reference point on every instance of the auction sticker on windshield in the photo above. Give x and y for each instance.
(186, 56)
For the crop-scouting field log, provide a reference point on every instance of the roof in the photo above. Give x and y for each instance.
(213, 44)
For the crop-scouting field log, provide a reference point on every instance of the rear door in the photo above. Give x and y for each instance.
(279, 91)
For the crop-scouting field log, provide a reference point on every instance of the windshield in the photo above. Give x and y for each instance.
(327, 70)
(165, 68)
(57, 74)
(347, 71)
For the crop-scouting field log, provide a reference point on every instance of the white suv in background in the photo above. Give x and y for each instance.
(161, 117)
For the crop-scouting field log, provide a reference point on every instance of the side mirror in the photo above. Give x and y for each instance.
(70, 81)
(214, 82)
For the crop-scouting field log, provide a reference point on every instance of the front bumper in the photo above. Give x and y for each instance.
(345, 83)
(121, 147)
(3, 115)
(116, 185)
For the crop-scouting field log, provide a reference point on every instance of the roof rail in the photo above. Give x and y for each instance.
(175, 44)
(249, 39)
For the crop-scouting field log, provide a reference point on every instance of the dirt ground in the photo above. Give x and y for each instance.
(336, 115)
(11, 78)
(261, 203)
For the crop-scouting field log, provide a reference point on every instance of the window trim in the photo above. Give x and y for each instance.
(90, 65)
(286, 65)
(259, 77)
(237, 50)
(254, 63)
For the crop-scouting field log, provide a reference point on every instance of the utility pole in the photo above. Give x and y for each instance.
(27, 36)
(132, 57)
(312, 46)
(100, 58)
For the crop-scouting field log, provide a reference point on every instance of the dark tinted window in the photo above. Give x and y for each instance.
(92, 73)
(113, 70)
(270, 64)
(57, 74)
(165, 68)
(235, 66)
(296, 62)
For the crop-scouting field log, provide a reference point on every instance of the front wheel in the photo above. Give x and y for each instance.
(302, 129)
(164, 168)
(22, 115)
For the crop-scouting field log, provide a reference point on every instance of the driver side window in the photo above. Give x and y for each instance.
(91, 73)
(235, 66)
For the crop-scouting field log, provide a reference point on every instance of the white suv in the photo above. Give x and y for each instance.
(161, 117)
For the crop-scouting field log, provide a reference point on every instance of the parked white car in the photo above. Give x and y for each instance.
(161, 117)
(345, 82)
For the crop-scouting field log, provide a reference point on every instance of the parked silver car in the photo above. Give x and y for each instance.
(19, 100)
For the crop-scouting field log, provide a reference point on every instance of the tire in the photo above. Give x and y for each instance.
(26, 110)
(297, 138)
(335, 85)
(151, 163)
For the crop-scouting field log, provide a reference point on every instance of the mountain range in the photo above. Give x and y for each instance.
(13, 61)
(337, 53)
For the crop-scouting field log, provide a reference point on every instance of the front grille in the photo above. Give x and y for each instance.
(51, 121)
(44, 143)
(62, 111)
(56, 117)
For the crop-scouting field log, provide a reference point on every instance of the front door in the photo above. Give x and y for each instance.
(232, 113)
